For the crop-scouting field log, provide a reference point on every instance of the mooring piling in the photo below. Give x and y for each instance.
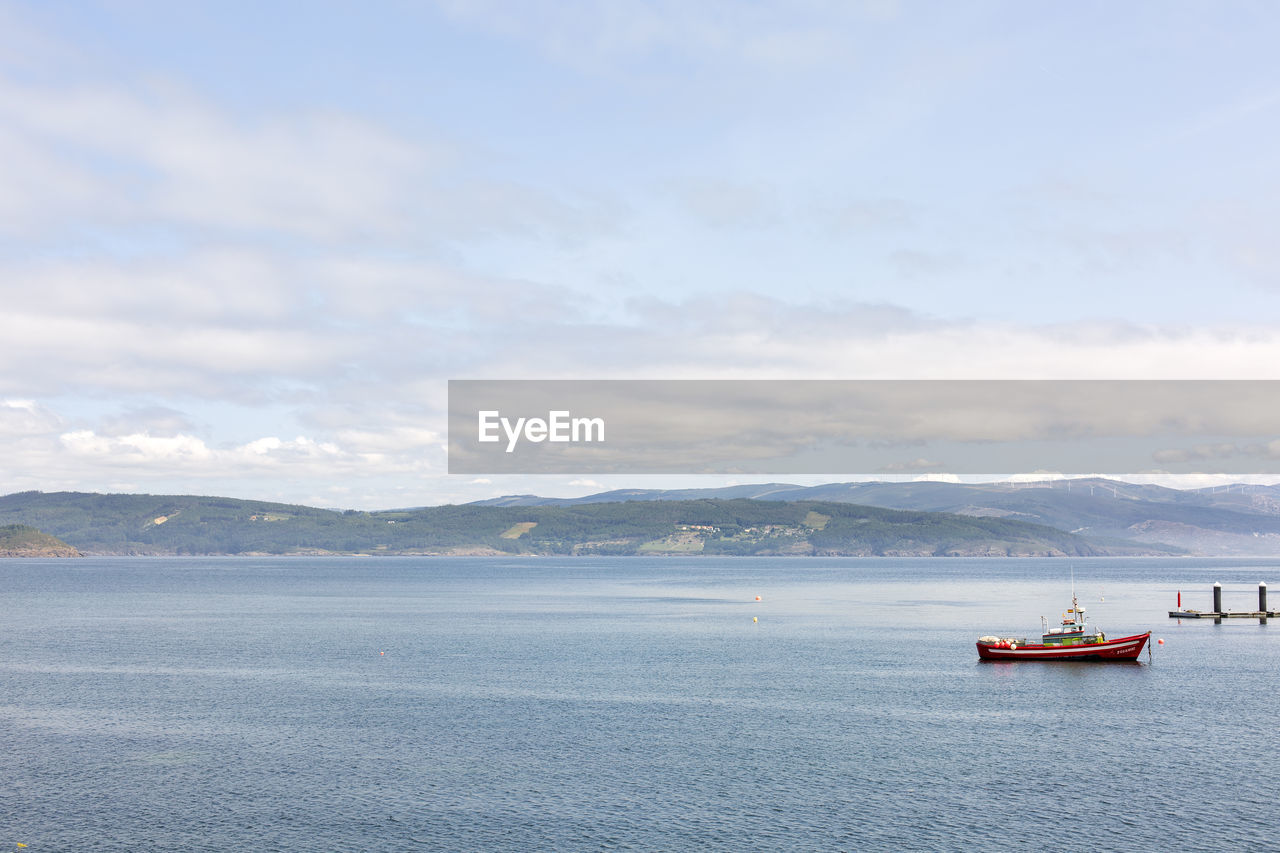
(1218, 614)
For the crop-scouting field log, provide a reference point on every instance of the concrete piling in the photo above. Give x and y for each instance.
(1217, 614)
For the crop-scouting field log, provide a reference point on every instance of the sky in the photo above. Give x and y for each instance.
(244, 246)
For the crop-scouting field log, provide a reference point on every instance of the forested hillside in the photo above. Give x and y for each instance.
(184, 524)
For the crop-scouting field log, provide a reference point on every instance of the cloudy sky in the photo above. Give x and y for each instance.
(243, 246)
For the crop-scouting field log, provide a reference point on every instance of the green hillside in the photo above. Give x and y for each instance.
(20, 540)
(184, 524)
(1238, 520)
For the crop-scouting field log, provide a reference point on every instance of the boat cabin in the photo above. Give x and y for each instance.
(1074, 629)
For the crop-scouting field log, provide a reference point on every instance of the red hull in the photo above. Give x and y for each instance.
(1123, 648)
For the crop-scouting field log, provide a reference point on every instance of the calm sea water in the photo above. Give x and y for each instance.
(614, 704)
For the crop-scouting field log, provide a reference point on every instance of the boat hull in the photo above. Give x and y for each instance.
(1122, 648)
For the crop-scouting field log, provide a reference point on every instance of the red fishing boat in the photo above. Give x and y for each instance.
(1072, 640)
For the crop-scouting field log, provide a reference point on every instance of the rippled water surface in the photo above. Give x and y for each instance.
(600, 704)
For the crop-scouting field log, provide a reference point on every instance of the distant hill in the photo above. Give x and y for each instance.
(1227, 521)
(20, 540)
(185, 524)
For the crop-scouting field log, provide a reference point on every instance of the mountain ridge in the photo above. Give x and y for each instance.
(188, 524)
(1243, 519)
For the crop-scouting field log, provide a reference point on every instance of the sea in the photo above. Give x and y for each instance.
(478, 704)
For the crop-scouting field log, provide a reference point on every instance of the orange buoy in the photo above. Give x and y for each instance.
(1160, 642)
(757, 598)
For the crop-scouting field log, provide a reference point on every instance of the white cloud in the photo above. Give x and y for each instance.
(1033, 477)
(145, 155)
(244, 325)
(302, 456)
(306, 267)
(139, 448)
(771, 35)
(369, 398)
(25, 418)
(936, 478)
(163, 154)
